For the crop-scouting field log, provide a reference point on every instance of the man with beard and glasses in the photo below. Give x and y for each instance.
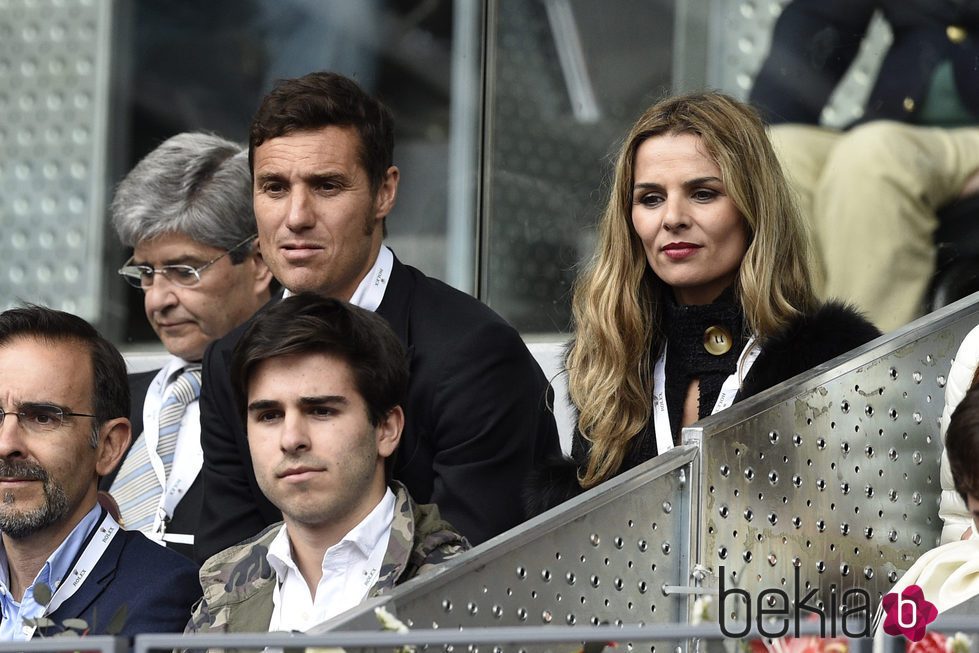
(64, 401)
(319, 384)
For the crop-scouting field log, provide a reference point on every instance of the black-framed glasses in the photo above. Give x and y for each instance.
(141, 276)
(40, 418)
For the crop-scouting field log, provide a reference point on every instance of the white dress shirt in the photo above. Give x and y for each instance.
(188, 457)
(350, 569)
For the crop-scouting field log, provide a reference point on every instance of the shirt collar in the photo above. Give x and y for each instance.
(58, 564)
(370, 290)
(365, 537)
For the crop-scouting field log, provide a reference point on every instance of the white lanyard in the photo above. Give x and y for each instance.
(187, 460)
(729, 390)
(98, 542)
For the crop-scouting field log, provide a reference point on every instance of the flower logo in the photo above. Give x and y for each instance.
(908, 613)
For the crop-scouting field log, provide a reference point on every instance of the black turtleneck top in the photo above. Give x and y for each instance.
(687, 359)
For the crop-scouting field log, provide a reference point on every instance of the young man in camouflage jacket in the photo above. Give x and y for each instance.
(319, 383)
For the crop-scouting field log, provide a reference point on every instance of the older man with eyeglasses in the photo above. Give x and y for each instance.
(186, 210)
(64, 562)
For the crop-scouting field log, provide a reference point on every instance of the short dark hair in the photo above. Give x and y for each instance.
(962, 445)
(110, 385)
(308, 323)
(320, 100)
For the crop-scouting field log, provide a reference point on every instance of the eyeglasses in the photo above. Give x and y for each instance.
(40, 418)
(141, 276)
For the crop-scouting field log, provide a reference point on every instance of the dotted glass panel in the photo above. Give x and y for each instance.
(839, 482)
(741, 35)
(53, 101)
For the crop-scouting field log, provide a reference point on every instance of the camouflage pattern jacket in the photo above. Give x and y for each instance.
(238, 582)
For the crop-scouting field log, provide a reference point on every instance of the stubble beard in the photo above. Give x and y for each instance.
(19, 524)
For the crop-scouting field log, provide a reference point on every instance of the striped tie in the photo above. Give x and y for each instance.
(136, 487)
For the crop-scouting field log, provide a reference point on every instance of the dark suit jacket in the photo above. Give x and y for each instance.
(815, 41)
(157, 586)
(477, 418)
(186, 516)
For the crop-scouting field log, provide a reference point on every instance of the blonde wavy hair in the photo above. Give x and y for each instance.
(617, 306)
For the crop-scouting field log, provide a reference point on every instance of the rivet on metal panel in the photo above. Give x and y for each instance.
(916, 457)
(797, 440)
(666, 548)
(618, 584)
(941, 381)
(868, 490)
(546, 616)
(667, 508)
(844, 528)
(820, 525)
(821, 484)
(473, 608)
(748, 515)
(820, 566)
(570, 619)
(722, 553)
(844, 569)
(916, 538)
(845, 488)
(749, 474)
(594, 539)
(773, 477)
(892, 535)
(570, 577)
(845, 406)
(772, 519)
(595, 581)
(725, 470)
(722, 511)
(642, 587)
(746, 555)
(772, 559)
(893, 372)
(497, 611)
(845, 446)
(521, 573)
(916, 375)
(447, 605)
(796, 480)
(868, 572)
(522, 614)
(545, 575)
(869, 410)
(773, 436)
(797, 521)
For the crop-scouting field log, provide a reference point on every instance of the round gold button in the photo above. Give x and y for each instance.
(908, 104)
(955, 33)
(717, 340)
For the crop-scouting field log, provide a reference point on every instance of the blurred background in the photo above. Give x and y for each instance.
(507, 113)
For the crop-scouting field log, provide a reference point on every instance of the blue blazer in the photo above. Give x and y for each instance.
(158, 587)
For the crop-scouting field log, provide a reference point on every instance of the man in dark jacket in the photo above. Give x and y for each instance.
(320, 383)
(872, 191)
(476, 414)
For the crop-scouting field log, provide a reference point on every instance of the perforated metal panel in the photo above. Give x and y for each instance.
(53, 99)
(603, 559)
(834, 475)
(837, 477)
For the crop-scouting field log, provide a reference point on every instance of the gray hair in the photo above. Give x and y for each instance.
(194, 183)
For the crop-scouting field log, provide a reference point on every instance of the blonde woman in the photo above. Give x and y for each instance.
(698, 295)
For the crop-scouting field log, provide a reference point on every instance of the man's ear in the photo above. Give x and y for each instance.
(387, 193)
(262, 274)
(114, 438)
(389, 432)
